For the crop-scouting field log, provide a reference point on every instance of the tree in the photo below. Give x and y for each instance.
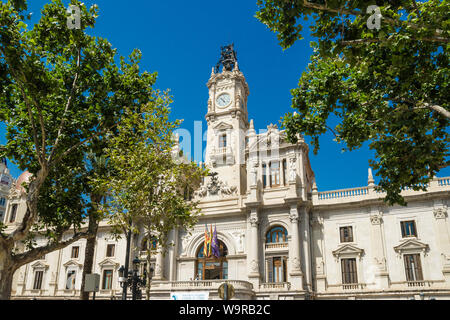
(147, 191)
(60, 92)
(387, 83)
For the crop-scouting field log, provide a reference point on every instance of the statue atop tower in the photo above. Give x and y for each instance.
(228, 58)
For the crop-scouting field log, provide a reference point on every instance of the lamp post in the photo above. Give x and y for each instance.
(133, 280)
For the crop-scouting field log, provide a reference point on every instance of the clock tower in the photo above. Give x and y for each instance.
(227, 120)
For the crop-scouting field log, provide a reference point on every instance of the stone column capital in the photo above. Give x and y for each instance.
(440, 213)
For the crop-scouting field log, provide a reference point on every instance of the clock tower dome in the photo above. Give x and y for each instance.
(227, 120)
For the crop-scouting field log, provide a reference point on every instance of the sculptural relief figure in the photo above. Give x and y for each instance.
(201, 192)
(292, 170)
(225, 189)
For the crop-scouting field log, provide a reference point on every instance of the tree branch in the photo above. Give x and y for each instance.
(69, 102)
(29, 256)
(80, 144)
(391, 21)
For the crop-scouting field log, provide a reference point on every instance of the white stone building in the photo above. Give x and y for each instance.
(280, 238)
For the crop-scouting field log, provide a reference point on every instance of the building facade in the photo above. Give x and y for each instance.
(279, 237)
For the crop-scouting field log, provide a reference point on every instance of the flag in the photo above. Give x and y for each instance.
(215, 244)
(209, 243)
(205, 244)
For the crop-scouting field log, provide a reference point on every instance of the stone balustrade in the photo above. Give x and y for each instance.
(275, 286)
(276, 245)
(369, 193)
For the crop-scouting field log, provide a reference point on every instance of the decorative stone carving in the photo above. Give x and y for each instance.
(292, 170)
(375, 219)
(440, 213)
(215, 187)
(254, 221)
(239, 238)
(254, 266)
(293, 216)
(296, 264)
(184, 243)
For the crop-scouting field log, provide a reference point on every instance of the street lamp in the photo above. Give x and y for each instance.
(133, 279)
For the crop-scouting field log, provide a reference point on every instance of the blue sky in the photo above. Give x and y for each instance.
(181, 40)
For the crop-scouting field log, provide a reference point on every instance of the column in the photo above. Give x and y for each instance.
(379, 273)
(318, 253)
(296, 275)
(253, 253)
(440, 214)
(306, 240)
(159, 265)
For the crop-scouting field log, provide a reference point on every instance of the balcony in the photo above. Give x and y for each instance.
(277, 246)
(220, 156)
(161, 290)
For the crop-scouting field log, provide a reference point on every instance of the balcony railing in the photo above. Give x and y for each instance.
(285, 286)
(276, 245)
(348, 286)
(369, 192)
(201, 284)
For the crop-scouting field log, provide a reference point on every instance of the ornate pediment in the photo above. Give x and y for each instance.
(72, 263)
(411, 246)
(348, 251)
(223, 126)
(39, 265)
(108, 262)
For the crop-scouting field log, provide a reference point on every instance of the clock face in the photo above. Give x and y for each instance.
(223, 100)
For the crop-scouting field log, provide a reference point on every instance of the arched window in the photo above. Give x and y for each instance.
(212, 267)
(276, 234)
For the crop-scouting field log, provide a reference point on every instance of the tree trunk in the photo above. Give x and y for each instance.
(90, 245)
(6, 273)
(149, 266)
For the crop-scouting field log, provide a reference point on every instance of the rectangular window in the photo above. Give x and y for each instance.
(223, 141)
(12, 217)
(413, 267)
(110, 250)
(2, 214)
(37, 284)
(284, 171)
(346, 234)
(408, 228)
(75, 252)
(349, 274)
(264, 168)
(2, 202)
(70, 282)
(274, 173)
(107, 280)
(276, 269)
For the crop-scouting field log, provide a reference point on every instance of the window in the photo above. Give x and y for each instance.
(210, 268)
(107, 279)
(276, 269)
(70, 283)
(276, 234)
(408, 228)
(348, 267)
(284, 171)
(75, 252)
(37, 284)
(223, 141)
(110, 250)
(413, 267)
(12, 217)
(346, 234)
(264, 172)
(2, 214)
(274, 173)
(2, 202)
